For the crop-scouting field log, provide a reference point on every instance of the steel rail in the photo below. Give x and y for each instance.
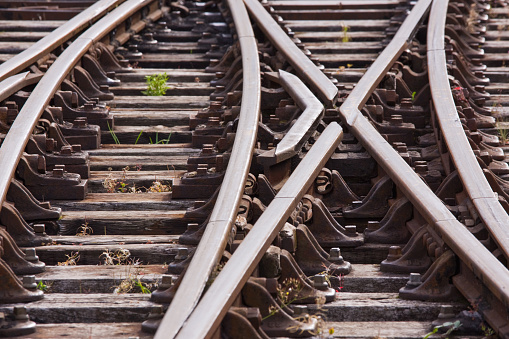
(332, 4)
(302, 129)
(214, 240)
(474, 181)
(209, 313)
(480, 260)
(304, 67)
(17, 82)
(56, 38)
(21, 129)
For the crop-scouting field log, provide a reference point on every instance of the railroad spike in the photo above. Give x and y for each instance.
(181, 261)
(75, 162)
(153, 320)
(193, 233)
(82, 98)
(165, 295)
(107, 59)
(202, 213)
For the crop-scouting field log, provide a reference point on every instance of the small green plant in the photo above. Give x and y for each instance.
(157, 140)
(162, 141)
(487, 331)
(113, 135)
(345, 29)
(156, 84)
(42, 286)
(413, 95)
(138, 138)
(452, 327)
(142, 286)
(132, 282)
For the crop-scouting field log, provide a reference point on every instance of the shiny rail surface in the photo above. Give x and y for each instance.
(14, 83)
(56, 38)
(209, 313)
(194, 313)
(481, 261)
(213, 242)
(20, 131)
(302, 64)
(464, 244)
(490, 210)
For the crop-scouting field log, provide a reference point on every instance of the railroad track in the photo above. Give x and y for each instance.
(313, 169)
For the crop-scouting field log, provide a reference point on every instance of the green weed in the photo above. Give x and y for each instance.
(346, 37)
(42, 286)
(162, 141)
(452, 327)
(113, 135)
(156, 84)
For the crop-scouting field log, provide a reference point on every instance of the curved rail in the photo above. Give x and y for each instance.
(21, 129)
(486, 267)
(213, 242)
(16, 82)
(212, 308)
(475, 183)
(304, 67)
(56, 38)
(311, 115)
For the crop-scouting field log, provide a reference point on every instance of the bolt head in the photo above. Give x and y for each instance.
(20, 313)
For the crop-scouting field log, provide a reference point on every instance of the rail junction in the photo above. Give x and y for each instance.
(254, 169)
